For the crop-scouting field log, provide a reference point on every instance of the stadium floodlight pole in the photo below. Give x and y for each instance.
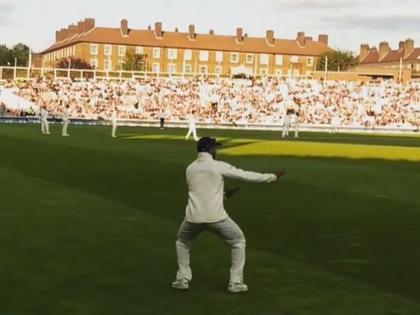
(326, 68)
(400, 70)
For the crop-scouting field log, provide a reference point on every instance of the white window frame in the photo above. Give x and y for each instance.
(234, 57)
(172, 54)
(122, 50)
(309, 61)
(107, 50)
(172, 68)
(219, 56)
(187, 54)
(204, 55)
(107, 64)
(94, 63)
(156, 67)
(264, 59)
(279, 60)
(205, 67)
(218, 69)
(249, 59)
(294, 59)
(121, 64)
(139, 50)
(156, 53)
(186, 67)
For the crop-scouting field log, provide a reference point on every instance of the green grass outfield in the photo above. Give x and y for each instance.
(88, 224)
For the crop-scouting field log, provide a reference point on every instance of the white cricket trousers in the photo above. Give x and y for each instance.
(65, 125)
(227, 229)
(286, 126)
(114, 130)
(192, 130)
(45, 129)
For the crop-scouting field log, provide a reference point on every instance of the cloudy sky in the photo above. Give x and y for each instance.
(348, 22)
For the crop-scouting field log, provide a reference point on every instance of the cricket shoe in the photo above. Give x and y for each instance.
(180, 284)
(237, 287)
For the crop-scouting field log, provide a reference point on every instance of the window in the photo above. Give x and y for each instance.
(121, 64)
(264, 59)
(279, 60)
(108, 50)
(203, 69)
(172, 68)
(187, 54)
(107, 65)
(204, 55)
(139, 50)
(418, 67)
(94, 49)
(218, 70)
(234, 57)
(294, 59)
(263, 72)
(309, 61)
(121, 51)
(94, 63)
(172, 54)
(249, 59)
(156, 52)
(219, 56)
(74, 50)
(187, 68)
(156, 67)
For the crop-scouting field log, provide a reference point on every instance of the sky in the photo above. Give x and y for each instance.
(347, 22)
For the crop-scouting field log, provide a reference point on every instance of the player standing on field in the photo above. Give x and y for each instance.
(45, 129)
(192, 129)
(205, 211)
(66, 120)
(114, 118)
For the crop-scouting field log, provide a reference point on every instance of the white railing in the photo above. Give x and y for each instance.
(25, 73)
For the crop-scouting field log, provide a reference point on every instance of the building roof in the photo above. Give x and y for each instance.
(102, 35)
(391, 57)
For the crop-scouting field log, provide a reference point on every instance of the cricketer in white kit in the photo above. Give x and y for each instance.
(114, 118)
(66, 121)
(192, 128)
(45, 129)
(205, 212)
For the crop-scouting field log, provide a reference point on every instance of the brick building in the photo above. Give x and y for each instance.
(390, 61)
(186, 52)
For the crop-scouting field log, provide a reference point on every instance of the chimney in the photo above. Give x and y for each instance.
(149, 27)
(364, 51)
(80, 27)
(408, 47)
(211, 32)
(57, 36)
(191, 32)
(383, 50)
(239, 35)
(401, 45)
(301, 38)
(308, 38)
(124, 27)
(89, 24)
(176, 29)
(269, 37)
(323, 38)
(158, 29)
(72, 30)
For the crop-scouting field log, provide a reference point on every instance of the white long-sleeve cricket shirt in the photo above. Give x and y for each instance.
(205, 180)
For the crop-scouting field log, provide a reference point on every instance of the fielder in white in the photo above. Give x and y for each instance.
(205, 212)
(66, 121)
(45, 128)
(192, 128)
(114, 119)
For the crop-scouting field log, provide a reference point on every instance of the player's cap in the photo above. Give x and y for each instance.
(206, 143)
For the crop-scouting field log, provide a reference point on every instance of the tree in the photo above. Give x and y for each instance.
(5, 56)
(21, 53)
(338, 60)
(75, 63)
(133, 61)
